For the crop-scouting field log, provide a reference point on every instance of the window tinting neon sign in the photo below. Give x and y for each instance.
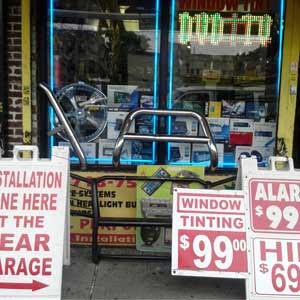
(215, 29)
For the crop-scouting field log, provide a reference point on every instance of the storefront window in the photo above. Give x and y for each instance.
(112, 46)
(225, 59)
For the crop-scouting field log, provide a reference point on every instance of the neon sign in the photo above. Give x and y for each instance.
(203, 28)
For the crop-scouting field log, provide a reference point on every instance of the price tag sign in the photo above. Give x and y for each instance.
(272, 198)
(275, 205)
(276, 267)
(208, 233)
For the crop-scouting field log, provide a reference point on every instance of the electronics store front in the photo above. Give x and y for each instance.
(221, 59)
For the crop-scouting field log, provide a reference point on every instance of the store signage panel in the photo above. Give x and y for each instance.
(224, 5)
(275, 205)
(33, 200)
(272, 199)
(276, 268)
(208, 233)
(213, 28)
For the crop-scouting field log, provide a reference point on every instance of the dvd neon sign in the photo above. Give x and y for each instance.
(215, 29)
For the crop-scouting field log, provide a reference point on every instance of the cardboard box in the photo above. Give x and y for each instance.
(256, 110)
(200, 153)
(264, 134)
(142, 150)
(122, 96)
(106, 148)
(180, 152)
(89, 149)
(215, 109)
(219, 128)
(262, 153)
(146, 101)
(233, 108)
(114, 123)
(241, 132)
(184, 126)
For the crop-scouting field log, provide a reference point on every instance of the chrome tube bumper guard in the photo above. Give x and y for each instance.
(125, 135)
(65, 125)
(97, 219)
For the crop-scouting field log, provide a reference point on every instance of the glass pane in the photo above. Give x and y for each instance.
(225, 59)
(111, 46)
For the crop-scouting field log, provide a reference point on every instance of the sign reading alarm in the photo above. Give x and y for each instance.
(275, 205)
(272, 200)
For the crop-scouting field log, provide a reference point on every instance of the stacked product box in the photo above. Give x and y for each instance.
(106, 148)
(122, 96)
(263, 144)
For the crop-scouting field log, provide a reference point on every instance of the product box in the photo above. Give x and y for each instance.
(106, 148)
(184, 126)
(264, 134)
(154, 200)
(215, 108)
(262, 153)
(200, 152)
(233, 108)
(114, 123)
(219, 128)
(122, 96)
(241, 132)
(256, 110)
(89, 149)
(144, 124)
(146, 101)
(180, 152)
(142, 150)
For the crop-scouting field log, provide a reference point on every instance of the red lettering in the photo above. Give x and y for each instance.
(210, 4)
(6, 239)
(85, 223)
(232, 4)
(9, 201)
(259, 4)
(39, 201)
(220, 5)
(277, 250)
(24, 243)
(47, 263)
(25, 266)
(41, 242)
(9, 266)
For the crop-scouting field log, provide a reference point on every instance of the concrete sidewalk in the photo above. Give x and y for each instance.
(116, 279)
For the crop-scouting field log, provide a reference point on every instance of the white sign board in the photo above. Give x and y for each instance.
(208, 233)
(33, 197)
(273, 218)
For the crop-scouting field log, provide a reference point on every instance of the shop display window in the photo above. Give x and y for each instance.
(222, 59)
(103, 63)
(225, 59)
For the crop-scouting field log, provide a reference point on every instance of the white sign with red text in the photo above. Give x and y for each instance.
(273, 202)
(33, 197)
(208, 233)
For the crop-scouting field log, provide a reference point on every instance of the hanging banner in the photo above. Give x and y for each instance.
(208, 233)
(33, 200)
(272, 198)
